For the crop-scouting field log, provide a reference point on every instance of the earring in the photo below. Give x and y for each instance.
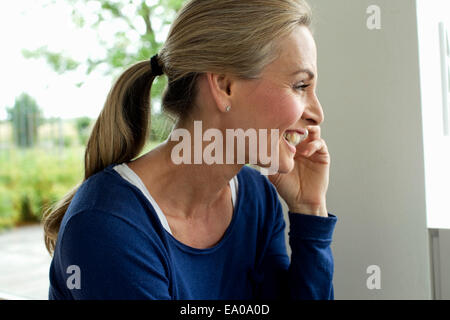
(228, 108)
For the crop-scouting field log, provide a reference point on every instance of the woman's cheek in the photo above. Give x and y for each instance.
(279, 110)
(294, 111)
(274, 106)
(288, 112)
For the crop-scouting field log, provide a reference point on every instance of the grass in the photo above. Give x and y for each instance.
(33, 179)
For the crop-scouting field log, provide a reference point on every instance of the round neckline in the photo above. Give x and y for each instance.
(180, 244)
(226, 235)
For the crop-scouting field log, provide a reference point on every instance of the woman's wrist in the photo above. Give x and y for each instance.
(320, 210)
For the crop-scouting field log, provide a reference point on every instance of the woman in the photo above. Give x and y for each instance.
(149, 228)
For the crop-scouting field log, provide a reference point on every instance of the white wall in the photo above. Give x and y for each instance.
(369, 88)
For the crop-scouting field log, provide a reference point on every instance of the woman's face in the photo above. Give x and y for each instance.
(284, 96)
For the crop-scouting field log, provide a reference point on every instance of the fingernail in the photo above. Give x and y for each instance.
(305, 136)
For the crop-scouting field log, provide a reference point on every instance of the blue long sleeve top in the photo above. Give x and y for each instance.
(111, 245)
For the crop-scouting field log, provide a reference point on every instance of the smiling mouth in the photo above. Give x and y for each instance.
(294, 137)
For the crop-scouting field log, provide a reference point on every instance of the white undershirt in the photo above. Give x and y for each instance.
(128, 174)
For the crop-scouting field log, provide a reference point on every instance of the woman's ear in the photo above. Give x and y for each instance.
(221, 87)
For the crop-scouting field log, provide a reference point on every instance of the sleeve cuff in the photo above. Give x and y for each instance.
(309, 227)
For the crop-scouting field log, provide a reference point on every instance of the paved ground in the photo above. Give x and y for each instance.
(24, 263)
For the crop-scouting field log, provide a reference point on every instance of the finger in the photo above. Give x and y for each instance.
(314, 133)
(313, 147)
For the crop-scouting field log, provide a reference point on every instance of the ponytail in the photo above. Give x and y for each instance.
(118, 136)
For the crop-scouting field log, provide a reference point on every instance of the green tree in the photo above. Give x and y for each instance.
(141, 19)
(25, 117)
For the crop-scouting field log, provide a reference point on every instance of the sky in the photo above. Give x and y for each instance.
(27, 24)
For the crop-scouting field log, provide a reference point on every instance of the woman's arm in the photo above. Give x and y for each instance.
(309, 274)
(312, 266)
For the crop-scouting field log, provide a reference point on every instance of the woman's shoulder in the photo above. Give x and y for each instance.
(106, 191)
(105, 188)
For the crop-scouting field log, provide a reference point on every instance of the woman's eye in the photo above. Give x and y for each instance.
(301, 87)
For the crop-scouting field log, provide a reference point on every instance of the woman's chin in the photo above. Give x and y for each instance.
(286, 162)
(286, 165)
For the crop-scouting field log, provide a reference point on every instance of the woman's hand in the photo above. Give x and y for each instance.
(304, 188)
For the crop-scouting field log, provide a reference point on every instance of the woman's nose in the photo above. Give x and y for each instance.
(313, 111)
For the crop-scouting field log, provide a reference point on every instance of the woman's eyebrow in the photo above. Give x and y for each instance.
(310, 74)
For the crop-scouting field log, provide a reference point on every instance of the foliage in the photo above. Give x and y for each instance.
(136, 23)
(160, 127)
(133, 19)
(58, 61)
(25, 117)
(83, 125)
(33, 179)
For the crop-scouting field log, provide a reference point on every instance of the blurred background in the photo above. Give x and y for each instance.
(383, 83)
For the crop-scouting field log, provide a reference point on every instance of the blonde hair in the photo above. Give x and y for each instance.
(220, 36)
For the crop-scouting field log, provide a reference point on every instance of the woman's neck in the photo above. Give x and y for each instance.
(189, 191)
